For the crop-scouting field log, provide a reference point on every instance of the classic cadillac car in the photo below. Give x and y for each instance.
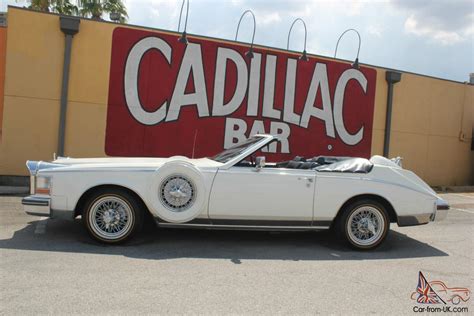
(235, 189)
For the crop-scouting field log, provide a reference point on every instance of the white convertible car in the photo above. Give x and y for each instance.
(235, 189)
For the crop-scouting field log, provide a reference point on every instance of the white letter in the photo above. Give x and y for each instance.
(288, 115)
(131, 80)
(231, 133)
(281, 130)
(320, 79)
(339, 102)
(257, 128)
(254, 85)
(269, 90)
(192, 62)
(219, 108)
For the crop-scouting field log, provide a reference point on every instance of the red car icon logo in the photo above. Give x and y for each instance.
(454, 295)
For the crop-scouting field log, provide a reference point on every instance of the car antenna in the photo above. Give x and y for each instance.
(194, 143)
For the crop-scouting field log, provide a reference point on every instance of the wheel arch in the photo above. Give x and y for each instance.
(388, 206)
(85, 196)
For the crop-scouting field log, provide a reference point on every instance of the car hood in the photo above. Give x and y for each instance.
(133, 162)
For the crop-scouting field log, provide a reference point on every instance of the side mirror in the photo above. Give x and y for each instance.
(259, 162)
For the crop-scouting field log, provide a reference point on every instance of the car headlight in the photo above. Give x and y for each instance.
(43, 185)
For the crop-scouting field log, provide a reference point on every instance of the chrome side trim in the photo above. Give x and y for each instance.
(103, 169)
(241, 227)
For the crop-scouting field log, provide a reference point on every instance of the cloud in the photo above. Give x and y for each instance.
(374, 30)
(446, 22)
(268, 17)
(154, 13)
(300, 8)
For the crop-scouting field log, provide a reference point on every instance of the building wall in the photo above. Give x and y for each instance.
(432, 119)
(3, 51)
(431, 128)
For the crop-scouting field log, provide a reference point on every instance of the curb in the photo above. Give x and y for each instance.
(454, 189)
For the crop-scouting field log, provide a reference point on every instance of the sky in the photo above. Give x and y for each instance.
(430, 37)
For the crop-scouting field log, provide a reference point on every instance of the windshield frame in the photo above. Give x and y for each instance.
(265, 139)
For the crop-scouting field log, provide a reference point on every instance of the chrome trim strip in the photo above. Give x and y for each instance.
(32, 184)
(241, 227)
(37, 201)
(103, 169)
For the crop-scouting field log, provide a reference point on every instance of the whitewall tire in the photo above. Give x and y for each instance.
(363, 224)
(112, 215)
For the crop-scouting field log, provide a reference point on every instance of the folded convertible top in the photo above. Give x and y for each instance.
(355, 165)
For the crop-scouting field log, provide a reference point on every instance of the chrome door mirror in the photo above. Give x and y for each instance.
(259, 162)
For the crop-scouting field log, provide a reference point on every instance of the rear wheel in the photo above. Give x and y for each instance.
(363, 224)
(112, 216)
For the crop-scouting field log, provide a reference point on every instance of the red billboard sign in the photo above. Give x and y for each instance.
(167, 98)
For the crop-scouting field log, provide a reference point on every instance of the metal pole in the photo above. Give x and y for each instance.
(391, 77)
(64, 94)
(388, 120)
(69, 26)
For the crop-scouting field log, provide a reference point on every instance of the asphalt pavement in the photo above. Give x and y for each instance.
(52, 267)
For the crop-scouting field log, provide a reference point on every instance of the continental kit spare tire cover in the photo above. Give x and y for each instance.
(178, 192)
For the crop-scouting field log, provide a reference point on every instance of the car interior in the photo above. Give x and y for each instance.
(318, 163)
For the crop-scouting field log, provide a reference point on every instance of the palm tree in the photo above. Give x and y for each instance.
(86, 8)
(57, 6)
(40, 5)
(64, 7)
(96, 8)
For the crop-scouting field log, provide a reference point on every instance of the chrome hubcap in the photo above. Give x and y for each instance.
(110, 217)
(177, 193)
(365, 225)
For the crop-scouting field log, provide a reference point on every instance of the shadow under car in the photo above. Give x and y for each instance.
(166, 243)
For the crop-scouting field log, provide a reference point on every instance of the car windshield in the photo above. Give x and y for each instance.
(236, 150)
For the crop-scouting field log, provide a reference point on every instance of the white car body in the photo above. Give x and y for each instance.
(236, 196)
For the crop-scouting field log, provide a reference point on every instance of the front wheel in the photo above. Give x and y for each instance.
(363, 224)
(112, 216)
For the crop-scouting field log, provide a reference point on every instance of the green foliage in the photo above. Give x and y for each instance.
(65, 7)
(94, 9)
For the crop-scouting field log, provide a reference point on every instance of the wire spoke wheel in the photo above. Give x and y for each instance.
(111, 217)
(177, 193)
(365, 225)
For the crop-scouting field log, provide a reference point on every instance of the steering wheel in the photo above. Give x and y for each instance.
(252, 160)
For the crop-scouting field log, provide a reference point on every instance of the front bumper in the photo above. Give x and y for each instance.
(37, 205)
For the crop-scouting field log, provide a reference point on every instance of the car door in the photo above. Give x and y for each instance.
(275, 195)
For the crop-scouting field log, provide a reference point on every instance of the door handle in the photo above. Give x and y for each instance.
(306, 178)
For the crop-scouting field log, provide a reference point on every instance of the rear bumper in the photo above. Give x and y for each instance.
(36, 205)
(440, 213)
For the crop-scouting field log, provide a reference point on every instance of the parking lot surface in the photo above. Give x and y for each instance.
(51, 266)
